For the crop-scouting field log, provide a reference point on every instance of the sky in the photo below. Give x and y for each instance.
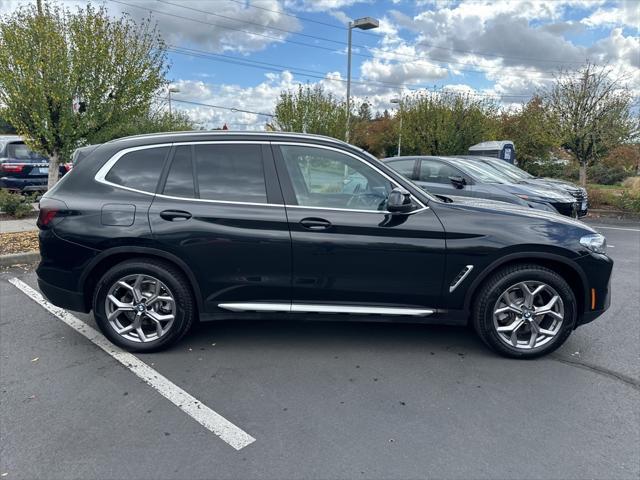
(240, 54)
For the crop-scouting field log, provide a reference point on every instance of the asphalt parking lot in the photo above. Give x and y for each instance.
(326, 400)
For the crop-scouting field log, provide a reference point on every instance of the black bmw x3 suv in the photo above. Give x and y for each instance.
(154, 232)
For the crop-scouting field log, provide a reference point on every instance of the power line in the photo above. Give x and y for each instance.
(407, 55)
(221, 107)
(329, 49)
(314, 73)
(341, 27)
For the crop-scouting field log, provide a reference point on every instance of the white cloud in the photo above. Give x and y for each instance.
(626, 13)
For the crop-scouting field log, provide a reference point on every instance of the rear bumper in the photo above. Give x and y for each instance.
(24, 184)
(60, 270)
(63, 298)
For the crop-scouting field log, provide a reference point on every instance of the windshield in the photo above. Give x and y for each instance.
(508, 169)
(19, 151)
(483, 172)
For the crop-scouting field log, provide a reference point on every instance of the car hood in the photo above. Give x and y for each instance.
(554, 182)
(541, 191)
(493, 206)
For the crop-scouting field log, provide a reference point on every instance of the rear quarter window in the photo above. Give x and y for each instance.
(139, 169)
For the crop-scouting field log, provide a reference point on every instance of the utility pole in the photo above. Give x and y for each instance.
(39, 6)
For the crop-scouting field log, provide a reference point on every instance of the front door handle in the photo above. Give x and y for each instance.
(315, 224)
(175, 215)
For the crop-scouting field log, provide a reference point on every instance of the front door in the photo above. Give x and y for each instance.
(349, 253)
(435, 177)
(229, 225)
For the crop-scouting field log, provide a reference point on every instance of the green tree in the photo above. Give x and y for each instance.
(531, 130)
(446, 123)
(311, 110)
(592, 111)
(52, 57)
(155, 120)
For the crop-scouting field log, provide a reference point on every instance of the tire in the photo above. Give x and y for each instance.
(502, 289)
(170, 284)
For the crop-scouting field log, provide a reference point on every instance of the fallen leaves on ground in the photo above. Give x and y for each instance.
(18, 242)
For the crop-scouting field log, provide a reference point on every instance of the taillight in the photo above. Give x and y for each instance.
(67, 166)
(51, 211)
(12, 167)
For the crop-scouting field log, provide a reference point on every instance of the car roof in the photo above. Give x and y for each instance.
(417, 157)
(199, 135)
(11, 138)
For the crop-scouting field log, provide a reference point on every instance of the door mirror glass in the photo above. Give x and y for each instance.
(458, 181)
(399, 201)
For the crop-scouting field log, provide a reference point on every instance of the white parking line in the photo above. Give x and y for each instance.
(617, 228)
(212, 421)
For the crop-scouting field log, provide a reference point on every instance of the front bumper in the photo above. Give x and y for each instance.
(570, 209)
(597, 269)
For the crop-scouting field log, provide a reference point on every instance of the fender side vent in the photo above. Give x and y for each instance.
(460, 277)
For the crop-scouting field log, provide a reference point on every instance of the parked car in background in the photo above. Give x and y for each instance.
(520, 176)
(453, 176)
(21, 169)
(154, 232)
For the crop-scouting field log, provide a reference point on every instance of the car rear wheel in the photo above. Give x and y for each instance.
(143, 305)
(525, 311)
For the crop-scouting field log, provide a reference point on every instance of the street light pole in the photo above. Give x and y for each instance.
(346, 136)
(399, 102)
(172, 90)
(364, 23)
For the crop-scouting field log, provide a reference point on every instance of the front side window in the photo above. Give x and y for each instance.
(230, 172)
(437, 172)
(330, 179)
(139, 169)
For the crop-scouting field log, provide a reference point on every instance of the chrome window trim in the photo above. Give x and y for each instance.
(100, 176)
(344, 152)
(313, 308)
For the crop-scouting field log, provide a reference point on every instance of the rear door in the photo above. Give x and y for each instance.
(220, 210)
(435, 177)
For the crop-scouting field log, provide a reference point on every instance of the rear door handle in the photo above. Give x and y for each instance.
(175, 215)
(315, 224)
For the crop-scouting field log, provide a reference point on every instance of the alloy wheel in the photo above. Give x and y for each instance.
(528, 315)
(140, 308)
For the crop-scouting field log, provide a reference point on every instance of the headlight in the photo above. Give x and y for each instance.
(595, 242)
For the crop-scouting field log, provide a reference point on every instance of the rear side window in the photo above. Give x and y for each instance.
(230, 172)
(139, 169)
(180, 178)
(403, 167)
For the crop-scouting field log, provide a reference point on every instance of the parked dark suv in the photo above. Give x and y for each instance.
(153, 232)
(21, 169)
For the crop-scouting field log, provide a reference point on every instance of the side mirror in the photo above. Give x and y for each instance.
(399, 201)
(458, 181)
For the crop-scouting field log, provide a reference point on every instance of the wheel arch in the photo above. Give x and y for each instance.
(108, 258)
(567, 268)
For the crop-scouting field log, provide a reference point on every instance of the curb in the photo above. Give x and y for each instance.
(612, 213)
(19, 258)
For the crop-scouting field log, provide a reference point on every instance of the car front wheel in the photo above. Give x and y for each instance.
(143, 305)
(525, 311)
